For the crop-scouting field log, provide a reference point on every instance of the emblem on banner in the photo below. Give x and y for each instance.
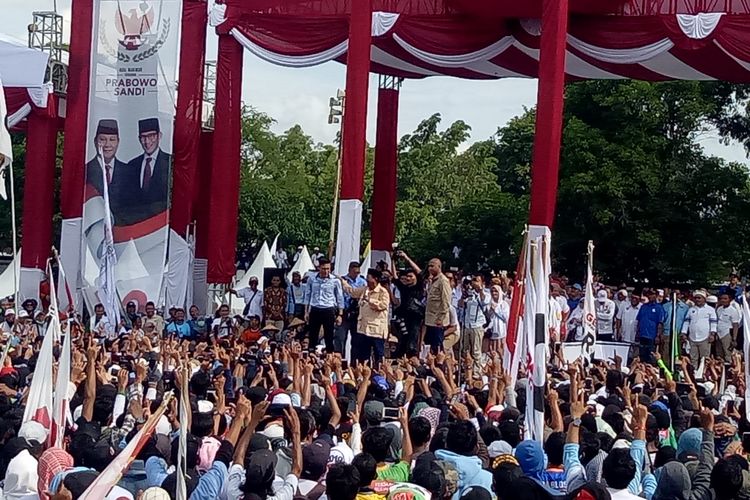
(138, 36)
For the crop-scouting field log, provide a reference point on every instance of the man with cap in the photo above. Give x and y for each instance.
(106, 167)
(148, 174)
(605, 314)
(252, 296)
(699, 328)
(9, 320)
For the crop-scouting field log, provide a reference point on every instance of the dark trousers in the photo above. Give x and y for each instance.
(408, 338)
(433, 337)
(648, 346)
(364, 348)
(347, 327)
(322, 318)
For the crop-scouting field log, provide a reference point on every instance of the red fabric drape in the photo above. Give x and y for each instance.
(77, 110)
(225, 159)
(202, 195)
(295, 35)
(549, 113)
(39, 187)
(355, 118)
(386, 167)
(187, 127)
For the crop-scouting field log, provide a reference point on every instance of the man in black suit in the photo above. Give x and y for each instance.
(105, 165)
(148, 175)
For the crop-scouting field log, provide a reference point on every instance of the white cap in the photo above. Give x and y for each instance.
(9, 311)
(702, 293)
(282, 399)
(205, 406)
(33, 431)
(624, 292)
(712, 299)
(601, 295)
(23, 314)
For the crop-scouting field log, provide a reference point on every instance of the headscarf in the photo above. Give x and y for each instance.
(500, 294)
(51, 462)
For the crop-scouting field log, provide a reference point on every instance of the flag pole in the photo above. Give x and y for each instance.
(16, 264)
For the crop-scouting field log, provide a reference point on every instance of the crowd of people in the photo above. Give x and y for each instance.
(386, 383)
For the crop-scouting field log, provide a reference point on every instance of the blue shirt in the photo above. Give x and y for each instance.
(682, 310)
(182, 330)
(295, 295)
(649, 317)
(474, 310)
(357, 282)
(734, 293)
(324, 293)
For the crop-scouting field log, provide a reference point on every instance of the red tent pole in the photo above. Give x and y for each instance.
(187, 126)
(74, 149)
(225, 160)
(549, 113)
(354, 141)
(384, 196)
(38, 202)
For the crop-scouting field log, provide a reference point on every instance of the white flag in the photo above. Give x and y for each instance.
(117, 467)
(6, 148)
(746, 349)
(61, 410)
(589, 308)
(39, 405)
(106, 284)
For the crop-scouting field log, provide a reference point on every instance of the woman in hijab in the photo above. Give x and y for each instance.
(51, 462)
(498, 311)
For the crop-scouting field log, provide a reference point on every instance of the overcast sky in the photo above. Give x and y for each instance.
(301, 96)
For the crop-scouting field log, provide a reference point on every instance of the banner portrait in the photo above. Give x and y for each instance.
(135, 48)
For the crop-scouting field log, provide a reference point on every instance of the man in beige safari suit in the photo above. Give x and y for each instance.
(437, 308)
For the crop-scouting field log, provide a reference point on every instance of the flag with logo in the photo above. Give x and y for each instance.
(106, 281)
(535, 326)
(588, 342)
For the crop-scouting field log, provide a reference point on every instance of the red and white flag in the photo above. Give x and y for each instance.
(513, 342)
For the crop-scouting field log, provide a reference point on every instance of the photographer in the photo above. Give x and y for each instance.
(410, 311)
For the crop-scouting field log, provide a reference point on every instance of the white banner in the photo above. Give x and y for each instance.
(135, 47)
(604, 351)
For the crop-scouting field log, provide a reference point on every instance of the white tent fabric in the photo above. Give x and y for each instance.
(7, 281)
(275, 245)
(303, 265)
(21, 66)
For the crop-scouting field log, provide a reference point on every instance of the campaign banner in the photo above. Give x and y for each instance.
(605, 351)
(134, 58)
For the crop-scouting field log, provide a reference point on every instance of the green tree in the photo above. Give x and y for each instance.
(634, 179)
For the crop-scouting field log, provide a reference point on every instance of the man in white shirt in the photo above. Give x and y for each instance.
(621, 300)
(626, 319)
(253, 297)
(281, 258)
(561, 312)
(605, 315)
(699, 327)
(728, 323)
(316, 256)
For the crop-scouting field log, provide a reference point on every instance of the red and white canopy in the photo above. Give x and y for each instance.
(676, 44)
(22, 74)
